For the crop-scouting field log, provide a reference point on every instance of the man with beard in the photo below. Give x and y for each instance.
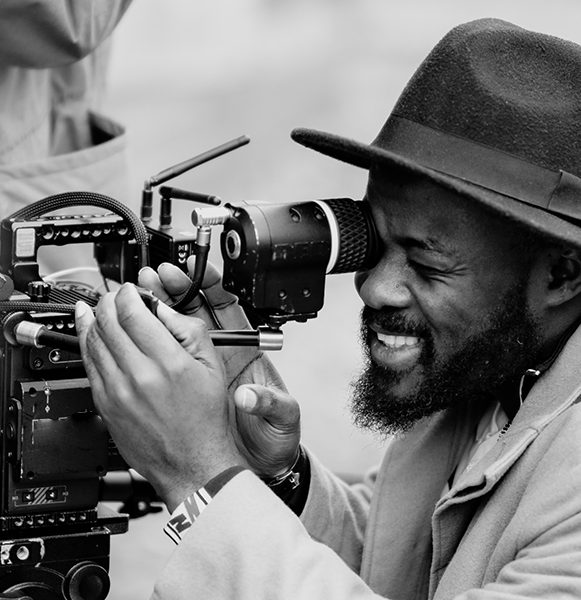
(505, 344)
(470, 330)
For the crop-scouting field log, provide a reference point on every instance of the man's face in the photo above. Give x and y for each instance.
(447, 315)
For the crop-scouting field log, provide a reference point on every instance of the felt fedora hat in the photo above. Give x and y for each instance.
(493, 113)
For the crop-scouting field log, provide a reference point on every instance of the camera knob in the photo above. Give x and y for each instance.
(86, 581)
(39, 291)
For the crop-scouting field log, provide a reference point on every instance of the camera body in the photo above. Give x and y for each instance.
(55, 448)
(54, 534)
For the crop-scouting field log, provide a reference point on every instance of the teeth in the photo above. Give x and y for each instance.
(397, 341)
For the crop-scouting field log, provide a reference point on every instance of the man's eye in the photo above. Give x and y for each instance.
(425, 270)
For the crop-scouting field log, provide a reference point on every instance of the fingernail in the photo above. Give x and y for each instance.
(81, 309)
(248, 398)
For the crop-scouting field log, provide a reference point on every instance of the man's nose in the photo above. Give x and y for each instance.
(384, 285)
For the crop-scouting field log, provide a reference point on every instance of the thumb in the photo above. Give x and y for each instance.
(276, 406)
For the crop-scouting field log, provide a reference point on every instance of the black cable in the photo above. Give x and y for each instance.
(12, 306)
(197, 277)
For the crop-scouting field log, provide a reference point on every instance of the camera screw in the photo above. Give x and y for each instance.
(22, 553)
(295, 215)
(306, 292)
(55, 356)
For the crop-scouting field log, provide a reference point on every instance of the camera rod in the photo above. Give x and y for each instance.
(28, 333)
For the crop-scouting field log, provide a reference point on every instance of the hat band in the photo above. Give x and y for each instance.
(558, 192)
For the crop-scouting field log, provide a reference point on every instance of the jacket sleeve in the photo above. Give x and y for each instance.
(336, 513)
(248, 544)
(49, 33)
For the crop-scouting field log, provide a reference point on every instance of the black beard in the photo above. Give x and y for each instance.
(481, 371)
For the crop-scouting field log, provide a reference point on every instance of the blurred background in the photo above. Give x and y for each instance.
(188, 75)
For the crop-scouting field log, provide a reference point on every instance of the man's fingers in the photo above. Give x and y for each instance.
(169, 281)
(225, 308)
(219, 305)
(131, 332)
(84, 319)
(85, 322)
(149, 279)
(211, 275)
(272, 404)
(189, 331)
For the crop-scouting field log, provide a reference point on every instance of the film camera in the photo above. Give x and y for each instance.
(55, 451)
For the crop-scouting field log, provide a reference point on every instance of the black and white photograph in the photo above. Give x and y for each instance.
(290, 300)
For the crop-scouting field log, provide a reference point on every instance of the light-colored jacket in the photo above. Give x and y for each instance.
(53, 65)
(508, 529)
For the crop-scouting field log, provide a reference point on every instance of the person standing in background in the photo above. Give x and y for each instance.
(54, 56)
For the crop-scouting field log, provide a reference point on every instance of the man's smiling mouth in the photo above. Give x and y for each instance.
(394, 350)
(393, 340)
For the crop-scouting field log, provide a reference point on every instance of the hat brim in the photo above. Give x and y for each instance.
(368, 156)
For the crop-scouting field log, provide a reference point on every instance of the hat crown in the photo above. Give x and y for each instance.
(505, 87)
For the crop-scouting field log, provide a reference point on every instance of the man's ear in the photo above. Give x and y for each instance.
(564, 276)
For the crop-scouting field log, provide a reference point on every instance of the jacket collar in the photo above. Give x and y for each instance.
(557, 388)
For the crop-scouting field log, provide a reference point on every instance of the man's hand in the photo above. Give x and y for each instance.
(216, 307)
(160, 387)
(267, 418)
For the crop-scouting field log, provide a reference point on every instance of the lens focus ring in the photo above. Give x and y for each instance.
(356, 237)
